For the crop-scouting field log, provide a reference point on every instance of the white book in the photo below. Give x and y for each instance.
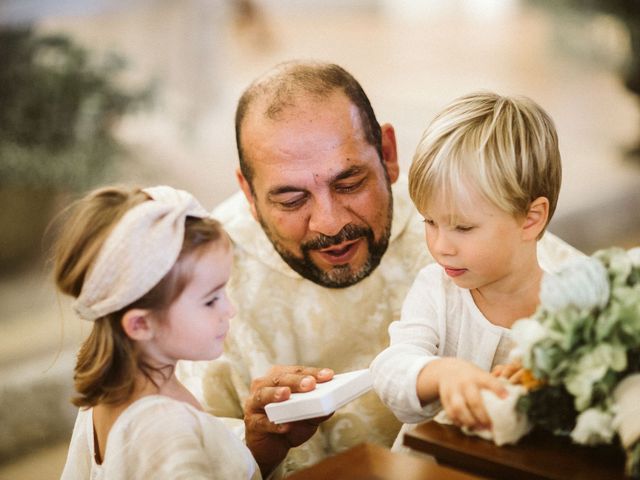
(326, 398)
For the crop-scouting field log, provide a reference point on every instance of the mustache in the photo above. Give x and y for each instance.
(348, 232)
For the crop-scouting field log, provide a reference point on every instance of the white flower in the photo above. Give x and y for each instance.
(634, 255)
(526, 333)
(627, 419)
(583, 283)
(593, 427)
(591, 368)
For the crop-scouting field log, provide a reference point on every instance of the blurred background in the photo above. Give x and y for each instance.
(144, 91)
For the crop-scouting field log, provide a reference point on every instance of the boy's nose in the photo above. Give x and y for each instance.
(443, 245)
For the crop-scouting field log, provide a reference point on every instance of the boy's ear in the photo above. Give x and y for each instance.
(536, 218)
(137, 324)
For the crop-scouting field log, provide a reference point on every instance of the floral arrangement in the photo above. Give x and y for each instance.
(581, 353)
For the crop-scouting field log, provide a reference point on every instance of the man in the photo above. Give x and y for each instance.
(325, 252)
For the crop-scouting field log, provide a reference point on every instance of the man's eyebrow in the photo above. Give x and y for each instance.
(349, 172)
(284, 189)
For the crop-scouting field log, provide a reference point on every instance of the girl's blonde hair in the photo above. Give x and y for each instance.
(108, 360)
(506, 147)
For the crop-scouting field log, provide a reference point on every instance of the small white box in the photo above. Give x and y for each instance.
(326, 398)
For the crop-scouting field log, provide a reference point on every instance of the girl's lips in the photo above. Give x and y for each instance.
(340, 254)
(454, 272)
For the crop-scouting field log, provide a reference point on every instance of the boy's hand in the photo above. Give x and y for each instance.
(513, 372)
(458, 385)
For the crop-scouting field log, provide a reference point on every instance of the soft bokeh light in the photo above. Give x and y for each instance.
(411, 56)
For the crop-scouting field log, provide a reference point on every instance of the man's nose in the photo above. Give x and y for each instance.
(328, 215)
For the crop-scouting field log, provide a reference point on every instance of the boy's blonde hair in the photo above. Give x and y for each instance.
(109, 361)
(506, 147)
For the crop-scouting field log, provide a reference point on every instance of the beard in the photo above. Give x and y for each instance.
(339, 276)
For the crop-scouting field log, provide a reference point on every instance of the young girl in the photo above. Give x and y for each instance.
(148, 268)
(485, 177)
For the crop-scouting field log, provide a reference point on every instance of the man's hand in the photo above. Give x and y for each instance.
(268, 442)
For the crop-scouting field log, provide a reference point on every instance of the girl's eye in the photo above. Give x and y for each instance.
(429, 222)
(211, 302)
(462, 228)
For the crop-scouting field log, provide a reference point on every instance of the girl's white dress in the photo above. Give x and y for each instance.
(157, 437)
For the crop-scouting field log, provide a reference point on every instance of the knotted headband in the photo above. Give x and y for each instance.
(140, 250)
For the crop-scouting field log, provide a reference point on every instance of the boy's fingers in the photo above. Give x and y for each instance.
(517, 377)
(477, 410)
(458, 411)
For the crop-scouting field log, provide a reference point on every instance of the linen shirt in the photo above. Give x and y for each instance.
(161, 438)
(285, 319)
(439, 319)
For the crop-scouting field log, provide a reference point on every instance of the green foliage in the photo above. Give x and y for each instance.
(550, 408)
(633, 461)
(581, 342)
(58, 110)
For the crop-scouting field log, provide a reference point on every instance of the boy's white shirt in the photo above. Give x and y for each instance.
(440, 319)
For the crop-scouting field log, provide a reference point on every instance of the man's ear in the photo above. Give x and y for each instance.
(248, 193)
(390, 152)
(137, 324)
(536, 218)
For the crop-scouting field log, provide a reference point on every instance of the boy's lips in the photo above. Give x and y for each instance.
(340, 254)
(454, 272)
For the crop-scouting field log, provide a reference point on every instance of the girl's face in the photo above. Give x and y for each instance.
(478, 245)
(196, 323)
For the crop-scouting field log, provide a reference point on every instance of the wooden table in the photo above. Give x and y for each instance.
(538, 455)
(372, 462)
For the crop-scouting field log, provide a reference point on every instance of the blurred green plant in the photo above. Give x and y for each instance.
(58, 107)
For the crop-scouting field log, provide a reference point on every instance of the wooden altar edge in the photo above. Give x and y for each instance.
(372, 462)
(539, 455)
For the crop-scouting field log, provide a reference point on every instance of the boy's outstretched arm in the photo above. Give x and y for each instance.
(457, 383)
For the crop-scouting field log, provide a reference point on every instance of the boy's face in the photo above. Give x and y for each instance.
(479, 245)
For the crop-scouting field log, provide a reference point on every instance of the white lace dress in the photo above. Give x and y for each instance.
(160, 438)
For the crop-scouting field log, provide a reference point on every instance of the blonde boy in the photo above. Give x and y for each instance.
(485, 177)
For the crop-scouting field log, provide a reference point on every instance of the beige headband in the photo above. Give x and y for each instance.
(138, 253)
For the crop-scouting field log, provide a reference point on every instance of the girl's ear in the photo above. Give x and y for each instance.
(535, 219)
(138, 324)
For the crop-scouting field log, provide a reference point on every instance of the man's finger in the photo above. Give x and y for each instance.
(265, 395)
(298, 379)
(259, 423)
(322, 374)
